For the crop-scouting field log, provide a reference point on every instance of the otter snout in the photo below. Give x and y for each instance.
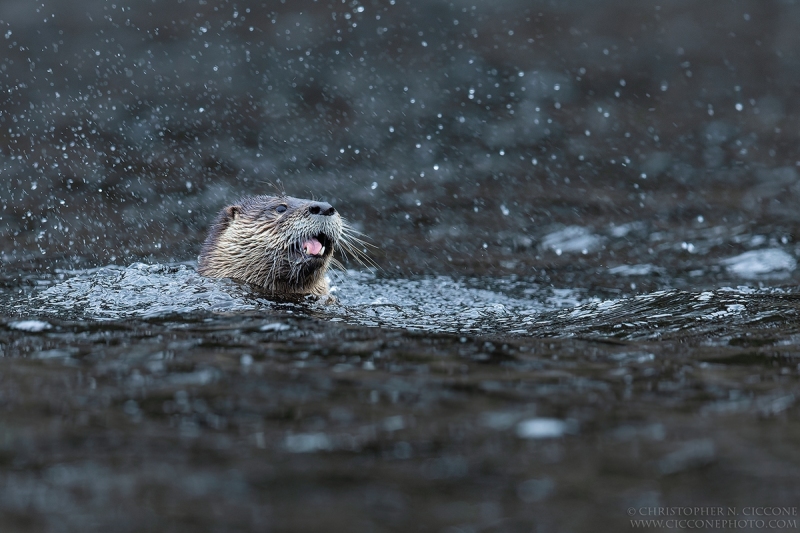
(321, 208)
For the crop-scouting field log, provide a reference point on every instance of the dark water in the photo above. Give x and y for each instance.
(585, 310)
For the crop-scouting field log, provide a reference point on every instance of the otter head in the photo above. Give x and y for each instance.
(280, 244)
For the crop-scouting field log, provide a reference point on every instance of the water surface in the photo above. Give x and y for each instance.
(585, 220)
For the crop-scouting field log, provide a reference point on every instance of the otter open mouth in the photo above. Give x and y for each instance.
(316, 246)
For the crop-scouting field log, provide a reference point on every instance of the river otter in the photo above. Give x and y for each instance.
(280, 244)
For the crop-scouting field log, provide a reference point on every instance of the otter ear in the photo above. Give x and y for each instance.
(232, 211)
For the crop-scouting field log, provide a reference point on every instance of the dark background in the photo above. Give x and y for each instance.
(125, 126)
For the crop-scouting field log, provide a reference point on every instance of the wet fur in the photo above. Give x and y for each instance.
(252, 242)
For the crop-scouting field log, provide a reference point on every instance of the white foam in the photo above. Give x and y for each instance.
(572, 239)
(541, 428)
(33, 326)
(307, 442)
(757, 263)
(635, 270)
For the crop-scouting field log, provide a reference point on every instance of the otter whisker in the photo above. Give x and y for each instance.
(358, 255)
(353, 239)
(338, 265)
(353, 233)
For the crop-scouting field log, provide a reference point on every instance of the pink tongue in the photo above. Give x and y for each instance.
(312, 246)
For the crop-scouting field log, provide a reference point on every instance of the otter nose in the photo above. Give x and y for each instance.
(321, 208)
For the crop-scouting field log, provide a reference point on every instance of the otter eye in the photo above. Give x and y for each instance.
(280, 208)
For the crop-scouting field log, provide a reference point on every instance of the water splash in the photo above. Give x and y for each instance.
(143, 291)
(467, 306)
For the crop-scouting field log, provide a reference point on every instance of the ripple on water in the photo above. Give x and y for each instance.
(443, 304)
(486, 306)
